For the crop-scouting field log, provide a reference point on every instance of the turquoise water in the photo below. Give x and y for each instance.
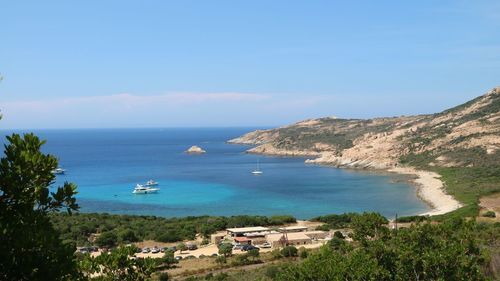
(107, 163)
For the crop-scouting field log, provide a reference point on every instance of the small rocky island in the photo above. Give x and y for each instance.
(195, 150)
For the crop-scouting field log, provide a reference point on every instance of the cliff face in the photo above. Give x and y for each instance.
(466, 135)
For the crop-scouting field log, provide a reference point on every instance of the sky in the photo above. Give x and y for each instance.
(115, 64)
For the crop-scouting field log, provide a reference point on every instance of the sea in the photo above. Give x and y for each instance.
(106, 165)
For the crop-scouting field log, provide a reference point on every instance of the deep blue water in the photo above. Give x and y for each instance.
(107, 163)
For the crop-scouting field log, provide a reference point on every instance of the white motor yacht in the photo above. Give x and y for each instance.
(151, 183)
(141, 189)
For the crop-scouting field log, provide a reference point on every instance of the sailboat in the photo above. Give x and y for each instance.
(258, 171)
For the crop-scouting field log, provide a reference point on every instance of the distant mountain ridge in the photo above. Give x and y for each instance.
(467, 135)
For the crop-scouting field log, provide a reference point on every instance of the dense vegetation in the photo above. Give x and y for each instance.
(334, 221)
(118, 266)
(456, 249)
(123, 229)
(447, 251)
(30, 248)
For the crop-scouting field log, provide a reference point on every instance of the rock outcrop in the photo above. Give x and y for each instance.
(195, 150)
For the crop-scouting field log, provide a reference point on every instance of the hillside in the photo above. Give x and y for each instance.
(464, 136)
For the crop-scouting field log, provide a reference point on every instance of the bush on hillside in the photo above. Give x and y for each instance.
(289, 251)
(489, 214)
(412, 219)
(107, 239)
(446, 251)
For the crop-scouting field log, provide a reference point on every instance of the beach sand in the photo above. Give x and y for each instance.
(431, 190)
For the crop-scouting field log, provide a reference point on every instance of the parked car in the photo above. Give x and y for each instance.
(88, 249)
(162, 249)
(265, 245)
(191, 247)
(178, 257)
(83, 250)
(155, 250)
(249, 247)
(146, 250)
(237, 247)
(173, 248)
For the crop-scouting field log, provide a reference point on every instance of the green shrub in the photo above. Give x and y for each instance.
(225, 249)
(221, 276)
(181, 247)
(241, 260)
(163, 276)
(127, 236)
(289, 251)
(303, 253)
(271, 271)
(489, 214)
(169, 236)
(412, 219)
(221, 260)
(254, 254)
(107, 239)
(279, 220)
(323, 227)
(338, 244)
(338, 234)
(276, 254)
(334, 221)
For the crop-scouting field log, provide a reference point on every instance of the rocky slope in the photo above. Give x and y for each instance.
(467, 135)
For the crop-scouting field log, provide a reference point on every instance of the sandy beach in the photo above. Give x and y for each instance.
(430, 188)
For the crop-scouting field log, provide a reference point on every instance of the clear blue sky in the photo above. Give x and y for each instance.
(240, 63)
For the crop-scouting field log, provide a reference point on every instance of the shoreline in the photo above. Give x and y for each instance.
(430, 189)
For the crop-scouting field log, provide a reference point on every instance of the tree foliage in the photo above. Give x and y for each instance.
(168, 259)
(181, 247)
(118, 266)
(30, 248)
(447, 251)
(107, 239)
(79, 227)
(225, 249)
(335, 221)
(289, 251)
(369, 226)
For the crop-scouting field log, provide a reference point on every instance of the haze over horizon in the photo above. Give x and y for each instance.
(196, 64)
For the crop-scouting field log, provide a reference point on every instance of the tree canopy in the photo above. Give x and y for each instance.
(30, 248)
(119, 266)
(446, 251)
